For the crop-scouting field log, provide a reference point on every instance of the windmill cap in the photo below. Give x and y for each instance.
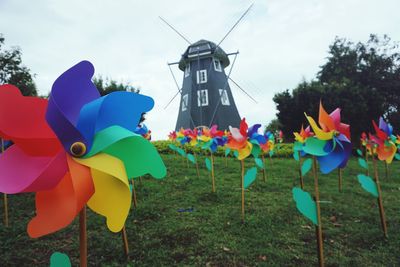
(203, 48)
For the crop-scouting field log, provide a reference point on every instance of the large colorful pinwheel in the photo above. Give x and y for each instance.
(385, 141)
(211, 138)
(77, 148)
(331, 143)
(237, 140)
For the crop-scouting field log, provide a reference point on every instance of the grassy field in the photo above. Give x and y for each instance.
(275, 233)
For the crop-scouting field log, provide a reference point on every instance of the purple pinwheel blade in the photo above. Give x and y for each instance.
(70, 92)
(253, 129)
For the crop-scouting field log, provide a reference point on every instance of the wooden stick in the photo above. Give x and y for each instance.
(83, 237)
(4, 195)
(340, 179)
(318, 228)
(212, 173)
(125, 241)
(197, 164)
(380, 203)
(226, 161)
(242, 164)
(187, 160)
(134, 194)
(264, 173)
(300, 174)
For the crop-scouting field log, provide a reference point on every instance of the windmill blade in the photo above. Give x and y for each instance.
(177, 86)
(238, 86)
(237, 22)
(175, 30)
(172, 99)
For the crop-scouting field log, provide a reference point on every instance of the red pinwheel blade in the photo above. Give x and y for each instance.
(22, 120)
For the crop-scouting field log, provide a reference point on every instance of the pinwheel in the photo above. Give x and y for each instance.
(368, 150)
(258, 141)
(238, 141)
(73, 150)
(298, 154)
(268, 149)
(210, 139)
(385, 140)
(331, 146)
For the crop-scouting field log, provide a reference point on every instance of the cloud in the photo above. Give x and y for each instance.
(280, 42)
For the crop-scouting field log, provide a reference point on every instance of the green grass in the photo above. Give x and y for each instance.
(275, 233)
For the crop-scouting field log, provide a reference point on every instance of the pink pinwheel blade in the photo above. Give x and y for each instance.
(23, 173)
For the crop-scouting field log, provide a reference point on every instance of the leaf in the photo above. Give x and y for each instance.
(359, 152)
(208, 164)
(172, 147)
(271, 153)
(306, 167)
(236, 153)
(259, 163)
(305, 204)
(363, 163)
(191, 158)
(59, 259)
(368, 184)
(297, 146)
(181, 151)
(296, 156)
(227, 151)
(397, 156)
(250, 177)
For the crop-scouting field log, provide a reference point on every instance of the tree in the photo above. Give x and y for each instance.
(12, 70)
(362, 79)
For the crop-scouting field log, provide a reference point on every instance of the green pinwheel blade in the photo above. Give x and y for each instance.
(296, 156)
(59, 259)
(172, 147)
(397, 156)
(363, 163)
(271, 153)
(191, 158)
(227, 151)
(250, 177)
(139, 156)
(305, 204)
(236, 153)
(297, 146)
(306, 167)
(181, 151)
(255, 151)
(208, 164)
(315, 147)
(368, 184)
(207, 145)
(259, 163)
(359, 152)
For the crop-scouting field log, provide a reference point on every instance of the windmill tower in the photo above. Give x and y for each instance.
(206, 97)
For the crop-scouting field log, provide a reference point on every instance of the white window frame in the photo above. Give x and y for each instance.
(187, 70)
(185, 102)
(201, 76)
(224, 101)
(219, 68)
(199, 100)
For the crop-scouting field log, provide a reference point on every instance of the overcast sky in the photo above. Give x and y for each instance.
(280, 42)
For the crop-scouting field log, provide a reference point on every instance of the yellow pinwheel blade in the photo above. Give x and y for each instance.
(245, 152)
(321, 135)
(112, 196)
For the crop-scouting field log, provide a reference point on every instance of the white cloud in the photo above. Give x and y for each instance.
(280, 42)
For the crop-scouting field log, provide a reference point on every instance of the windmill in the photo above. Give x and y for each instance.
(206, 97)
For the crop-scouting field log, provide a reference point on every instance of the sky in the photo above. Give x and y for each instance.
(281, 42)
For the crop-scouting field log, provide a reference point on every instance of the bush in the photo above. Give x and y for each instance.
(284, 150)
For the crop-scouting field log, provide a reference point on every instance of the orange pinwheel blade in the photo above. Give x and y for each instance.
(325, 121)
(57, 208)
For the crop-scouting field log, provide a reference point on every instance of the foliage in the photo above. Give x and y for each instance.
(106, 86)
(273, 126)
(363, 79)
(179, 222)
(12, 70)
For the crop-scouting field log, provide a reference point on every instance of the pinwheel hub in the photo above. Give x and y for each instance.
(336, 133)
(78, 149)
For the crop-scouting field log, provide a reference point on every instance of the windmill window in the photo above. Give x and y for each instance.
(217, 65)
(224, 97)
(184, 102)
(187, 70)
(201, 76)
(202, 98)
